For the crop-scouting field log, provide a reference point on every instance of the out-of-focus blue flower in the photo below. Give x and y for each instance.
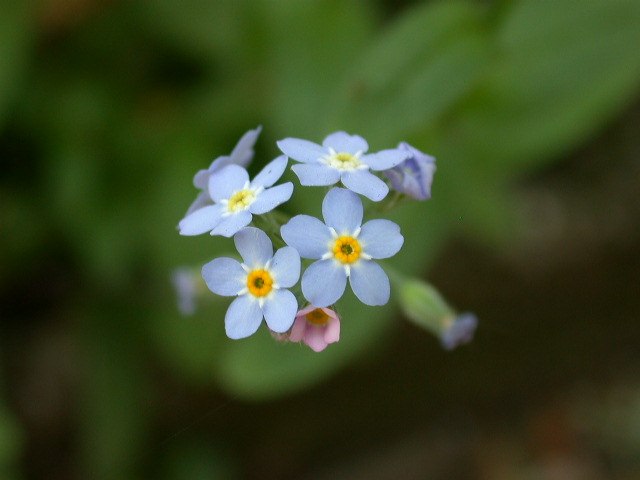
(242, 155)
(237, 199)
(342, 157)
(458, 330)
(344, 249)
(186, 282)
(260, 284)
(413, 176)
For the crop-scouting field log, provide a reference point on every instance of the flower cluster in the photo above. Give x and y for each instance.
(296, 290)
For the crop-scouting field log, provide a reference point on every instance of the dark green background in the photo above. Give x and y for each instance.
(108, 108)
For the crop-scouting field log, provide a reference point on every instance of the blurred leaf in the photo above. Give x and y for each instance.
(309, 46)
(115, 412)
(189, 343)
(212, 30)
(198, 460)
(566, 68)
(11, 440)
(419, 68)
(16, 39)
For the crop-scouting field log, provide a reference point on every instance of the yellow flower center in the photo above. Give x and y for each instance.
(317, 316)
(259, 283)
(343, 161)
(241, 200)
(347, 249)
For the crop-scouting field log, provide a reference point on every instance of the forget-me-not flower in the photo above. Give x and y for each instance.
(316, 327)
(242, 155)
(344, 249)
(237, 199)
(413, 176)
(342, 157)
(260, 283)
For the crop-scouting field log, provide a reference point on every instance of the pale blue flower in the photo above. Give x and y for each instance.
(344, 249)
(242, 155)
(342, 157)
(186, 284)
(413, 176)
(260, 284)
(237, 199)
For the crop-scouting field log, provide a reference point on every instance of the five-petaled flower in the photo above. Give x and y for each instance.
(260, 283)
(242, 155)
(413, 176)
(237, 199)
(344, 249)
(342, 157)
(317, 327)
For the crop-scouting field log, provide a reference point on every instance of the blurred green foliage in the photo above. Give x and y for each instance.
(107, 112)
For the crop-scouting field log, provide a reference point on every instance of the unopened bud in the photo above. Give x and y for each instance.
(424, 306)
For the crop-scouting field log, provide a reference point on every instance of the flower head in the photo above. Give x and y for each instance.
(237, 199)
(241, 155)
(260, 284)
(342, 157)
(316, 327)
(344, 249)
(414, 175)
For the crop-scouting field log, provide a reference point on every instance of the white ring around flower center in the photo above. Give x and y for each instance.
(241, 199)
(343, 161)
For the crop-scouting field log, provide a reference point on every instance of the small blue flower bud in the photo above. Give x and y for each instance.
(413, 176)
(424, 306)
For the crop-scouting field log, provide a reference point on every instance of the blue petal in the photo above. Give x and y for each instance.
(243, 152)
(224, 276)
(380, 238)
(316, 175)
(343, 142)
(271, 172)
(202, 200)
(280, 310)
(302, 150)
(230, 225)
(254, 247)
(243, 317)
(369, 283)
(385, 159)
(201, 178)
(285, 267)
(342, 210)
(271, 198)
(226, 181)
(308, 235)
(365, 183)
(201, 221)
(323, 283)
